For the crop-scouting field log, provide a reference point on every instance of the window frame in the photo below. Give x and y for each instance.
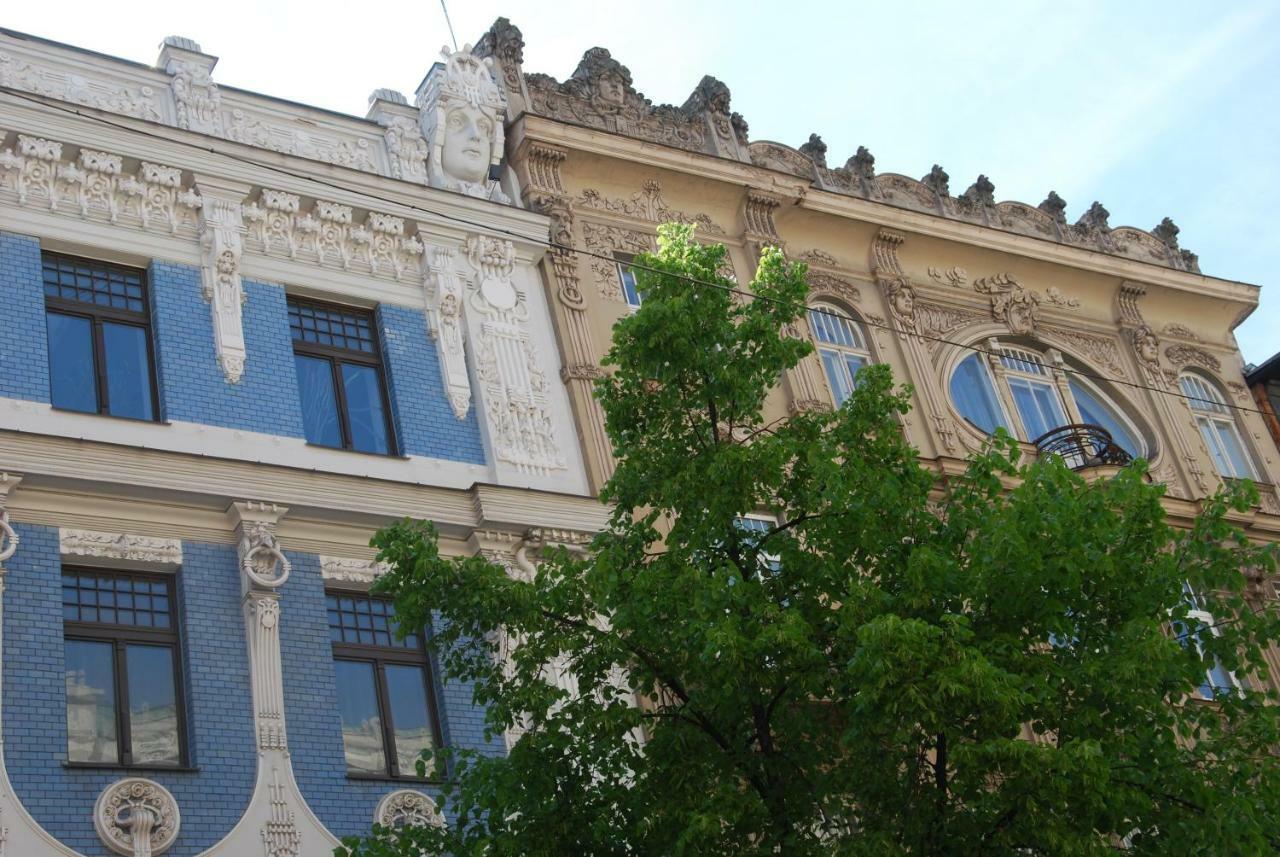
(1214, 409)
(97, 315)
(379, 657)
(1055, 377)
(1206, 622)
(624, 261)
(336, 355)
(119, 637)
(841, 316)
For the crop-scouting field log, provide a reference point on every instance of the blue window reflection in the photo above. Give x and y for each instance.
(365, 411)
(71, 375)
(319, 404)
(128, 371)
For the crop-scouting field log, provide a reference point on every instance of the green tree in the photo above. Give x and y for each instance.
(1014, 660)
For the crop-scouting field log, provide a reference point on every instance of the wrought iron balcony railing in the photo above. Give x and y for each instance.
(1082, 445)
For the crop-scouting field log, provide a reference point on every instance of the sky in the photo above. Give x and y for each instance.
(1154, 108)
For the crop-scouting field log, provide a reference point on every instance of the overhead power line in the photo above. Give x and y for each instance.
(567, 248)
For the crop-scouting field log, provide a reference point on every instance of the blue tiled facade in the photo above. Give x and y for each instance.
(345, 806)
(24, 355)
(191, 382)
(216, 682)
(193, 386)
(425, 423)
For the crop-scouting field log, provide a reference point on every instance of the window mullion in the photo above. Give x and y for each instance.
(340, 401)
(100, 365)
(1003, 390)
(388, 725)
(122, 704)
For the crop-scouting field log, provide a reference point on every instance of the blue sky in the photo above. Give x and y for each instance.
(1155, 108)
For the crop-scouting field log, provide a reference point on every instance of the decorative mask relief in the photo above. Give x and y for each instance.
(261, 559)
(137, 817)
(221, 225)
(462, 114)
(513, 386)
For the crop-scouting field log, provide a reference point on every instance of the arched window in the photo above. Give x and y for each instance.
(1217, 427)
(842, 347)
(1029, 393)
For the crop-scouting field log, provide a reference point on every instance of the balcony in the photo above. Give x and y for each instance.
(1082, 446)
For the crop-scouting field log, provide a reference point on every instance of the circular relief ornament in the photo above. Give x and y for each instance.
(407, 808)
(135, 817)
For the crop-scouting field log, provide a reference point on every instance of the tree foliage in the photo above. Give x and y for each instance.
(1005, 661)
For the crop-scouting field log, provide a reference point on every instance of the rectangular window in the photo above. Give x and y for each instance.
(100, 357)
(344, 399)
(384, 688)
(124, 692)
(1199, 626)
(627, 280)
(755, 528)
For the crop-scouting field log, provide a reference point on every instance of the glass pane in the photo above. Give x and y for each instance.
(319, 405)
(128, 371)
(1037, 405)
(91, 702)
(407, 691)
(71, 377)
(627, 276)
(854, 364)
(364, 408)
(361, 724)
(153, 706)
(975, 396)
(836, 375)
(1098, 412)
(1213, 440)
(1233, 449)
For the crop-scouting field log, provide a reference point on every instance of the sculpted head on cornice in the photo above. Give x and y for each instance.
(604, 81)
(462, 113)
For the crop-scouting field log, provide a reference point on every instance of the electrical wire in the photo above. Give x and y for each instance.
(567, 248)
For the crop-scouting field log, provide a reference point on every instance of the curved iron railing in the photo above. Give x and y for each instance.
(1082, 445)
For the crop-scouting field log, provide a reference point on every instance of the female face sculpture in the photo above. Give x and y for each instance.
(467, 144)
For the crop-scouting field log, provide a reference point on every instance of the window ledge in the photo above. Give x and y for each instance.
(157, 769)
(387, 778)
(160, 422)
(390, 455)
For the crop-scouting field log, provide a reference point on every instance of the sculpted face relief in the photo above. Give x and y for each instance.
(466, 149)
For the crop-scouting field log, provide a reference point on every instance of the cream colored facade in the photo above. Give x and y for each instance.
(926, 272)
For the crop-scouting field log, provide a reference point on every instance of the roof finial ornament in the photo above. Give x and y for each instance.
(1167, 231)
(981, 193)
(1095, 219)
(816, 151)
(1054, 206)
(862, 164)
(937, 181)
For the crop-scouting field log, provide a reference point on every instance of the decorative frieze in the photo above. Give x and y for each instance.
(346, 570)
(648, 205)
(120, 547)
(50, 77)
(1190, 355)
(407, 808)
(94, 185)
(326, 233)
(137, 817)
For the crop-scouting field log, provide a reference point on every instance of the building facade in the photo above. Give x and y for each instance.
(245, 333)
(240, 335)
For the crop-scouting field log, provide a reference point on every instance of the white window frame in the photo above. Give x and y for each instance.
(1211, 413)
(626, 274)
(859, 346)
(763, 524)
(1205, 622)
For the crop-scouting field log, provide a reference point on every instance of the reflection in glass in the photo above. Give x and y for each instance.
(407, 691)
(361, 725)
(91, 702)
(128, 371)
(319, 405)
(71, 362)
(1038, 406)
(1094, 410)
(364, 408)
(975, 397)
(153, 706)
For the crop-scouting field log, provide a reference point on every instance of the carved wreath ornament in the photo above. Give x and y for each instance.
(8, 538)
(137, 818)
(261, 558)
(407, 808)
